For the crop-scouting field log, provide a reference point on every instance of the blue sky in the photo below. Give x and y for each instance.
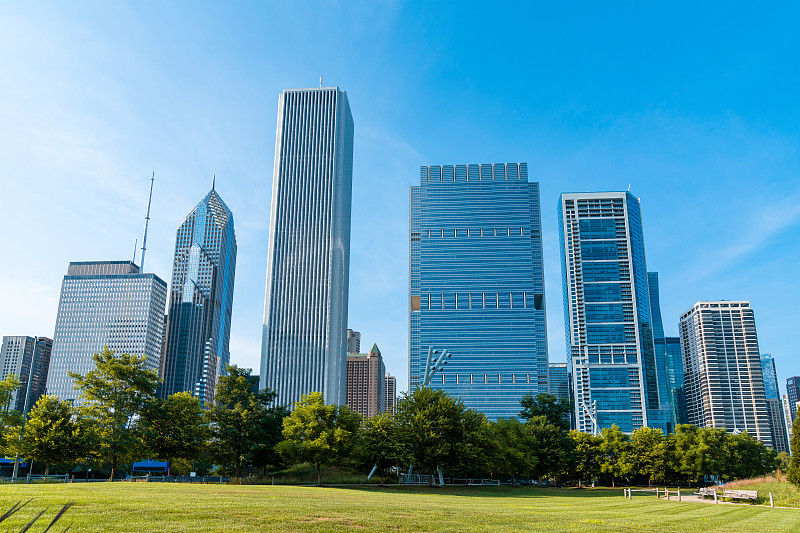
(695, 106)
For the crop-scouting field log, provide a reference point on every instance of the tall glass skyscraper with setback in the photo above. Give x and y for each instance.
(105, 303)
(476, 284)
(304, 339)
(201, 301)
(609, 332)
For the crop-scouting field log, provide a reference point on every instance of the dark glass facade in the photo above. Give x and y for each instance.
(201, 301)
(609, 330)
(476, 284)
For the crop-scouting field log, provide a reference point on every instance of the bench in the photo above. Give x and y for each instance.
(741, 494)
(706, 491)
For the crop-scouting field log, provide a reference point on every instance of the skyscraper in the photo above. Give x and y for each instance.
(353, 341)
(201, 301)
(16, 356)
(366, 385)
(793, 390)
(304, 339)
(669, 363)
(777, 423)
(390, 388)
(722, 365)
(104, 303)
(476, 284)
(609, 334)
(558, 380)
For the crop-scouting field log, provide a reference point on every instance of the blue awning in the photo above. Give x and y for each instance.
(150, 466)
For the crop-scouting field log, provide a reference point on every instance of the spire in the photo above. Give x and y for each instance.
(147, 221)
(214, 180)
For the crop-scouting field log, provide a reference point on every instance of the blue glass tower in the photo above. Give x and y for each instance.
(669, 362)
(201, 301)
(476, 284)
(607, 317)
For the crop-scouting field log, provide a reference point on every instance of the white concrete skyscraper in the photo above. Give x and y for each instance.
(722, 366)
(304, 338)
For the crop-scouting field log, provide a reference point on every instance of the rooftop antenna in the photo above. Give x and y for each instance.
(629, 187)
(320, 82)
(135, 242)
(147, 222)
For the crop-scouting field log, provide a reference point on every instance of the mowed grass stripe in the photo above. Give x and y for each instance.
(146, 507)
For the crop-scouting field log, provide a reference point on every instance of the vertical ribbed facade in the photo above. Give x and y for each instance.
(196, 348)
(476, 284)
(722, 366)
(16, 357)
(609, 333)
(390, 388)
(304, 340)
(105, 303)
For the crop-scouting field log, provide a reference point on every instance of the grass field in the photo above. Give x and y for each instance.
(144, 507)
(784, 493)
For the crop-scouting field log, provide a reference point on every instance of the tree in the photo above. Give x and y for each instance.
(174, 428)
(793, 475)
(382, 443)
(477, 446)
(556, 410)
(431, 423)
(552, 446)
(612, 451)
(647, 454)
(116, 392)
(317, 433)
(514, 453)
(241, 422)
(52, 433)
(587, 455)
(748, 457)
(686, 458)
(7, 388)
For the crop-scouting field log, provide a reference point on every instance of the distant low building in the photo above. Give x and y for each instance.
(390, 388)
(365, 386)
(353, 341)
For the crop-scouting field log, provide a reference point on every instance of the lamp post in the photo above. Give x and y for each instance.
(25, 409)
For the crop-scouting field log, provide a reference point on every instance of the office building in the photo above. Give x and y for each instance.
(609, 336)
(16, 356)
(476, 284)
(558, 380)
(390, 389)
(365, 392)
(793, 390)
(722, 366)
(789, 413)
(353, 341)
(304, 340)
(41, 365)
(669, 363)
(196, 348)
(104, 303)
(777, 423)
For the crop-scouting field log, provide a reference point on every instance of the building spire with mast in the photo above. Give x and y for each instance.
(147, 222)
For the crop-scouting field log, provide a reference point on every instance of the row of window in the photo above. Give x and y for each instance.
(473, 232)
(481, 300)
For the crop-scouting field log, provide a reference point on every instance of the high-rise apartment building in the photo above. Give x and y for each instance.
(558, 380)
(304, 340)
(390, 389)
(777, 422)
(669, 363)
(609, 333)
(105, 303)
(793, 390)
(476, 284)
(353, 341)
(16, 356)
(789, 413)
(196, 348)
(722, 365)
(365, 392)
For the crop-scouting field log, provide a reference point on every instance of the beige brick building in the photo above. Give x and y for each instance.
(365, 391)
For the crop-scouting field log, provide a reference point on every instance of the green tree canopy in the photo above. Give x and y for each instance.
(174, 428)
(116, 392)
(317, 433)
(793, 475)
(587, 455)
(612, 451)
(432, 424)
(382, 443)
(242, 423)
(52, 433)
(646, 453)
(514, 449)
(552, 446)
(556, 410)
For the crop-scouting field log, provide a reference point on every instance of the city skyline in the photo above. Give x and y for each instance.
(96, 98)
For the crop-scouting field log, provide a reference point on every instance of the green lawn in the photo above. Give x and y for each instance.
(144, 507)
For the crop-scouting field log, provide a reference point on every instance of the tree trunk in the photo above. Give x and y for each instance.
(580, 482)
(613, 482)
(46, 469)
(319, 475)
(169, 468)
